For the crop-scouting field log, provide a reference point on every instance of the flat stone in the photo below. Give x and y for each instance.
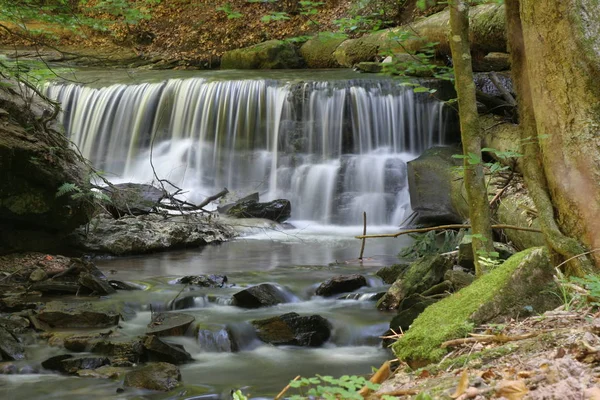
(73, 364)
(263, 295)
(169, 324)
(58, 314)
(154, 376)
(159, 350)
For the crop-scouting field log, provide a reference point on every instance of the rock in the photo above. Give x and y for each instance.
(518, 287)
(318, 52)
(263, 295)
(120, 350)
(276, 210)
(495, 61)
(132, 199)
(14, 324)
(410, 309)
(73, 364)
(34, 164)
(420, 276)
(56, 287)
(293, 329)
(149, 233)
(158, 350)
(55, 363)
(459, 279)
(154, 376)
(272, 54)
(341, 284)
(215, 341)
(210, 281)
(10, 348)
(465, 252)
(104, 372)
(169, 324)
(353, 51)
(390, 274)
(58, 314)
(443, 287)
(369, 67)
(96, 285)
(37, 275)
(121, 285)
(429, 181)
(251, 197)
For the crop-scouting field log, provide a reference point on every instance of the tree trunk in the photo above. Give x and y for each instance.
(557, 78)
(479, 211)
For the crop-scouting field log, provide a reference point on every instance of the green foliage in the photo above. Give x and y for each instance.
(77, 193)
(330, 388)
(275, 16)
(576, 292)
(231, 14)
(431, 243)
(238, 395)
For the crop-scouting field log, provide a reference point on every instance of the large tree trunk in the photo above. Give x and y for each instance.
(479, 210)
(561, 39)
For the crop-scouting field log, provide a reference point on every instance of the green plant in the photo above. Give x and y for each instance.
(275, 16)
(330, 388)
(431, 243)
(238, 395)
(231, 14)
(77, 193)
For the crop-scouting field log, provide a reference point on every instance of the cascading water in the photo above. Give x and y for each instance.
(335, 149)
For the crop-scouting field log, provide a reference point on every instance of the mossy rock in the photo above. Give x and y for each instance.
(391, 273)
(523, 284)
(353, 51)
(272, 54)
(318, 51)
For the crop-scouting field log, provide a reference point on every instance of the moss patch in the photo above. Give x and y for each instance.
(451, 317)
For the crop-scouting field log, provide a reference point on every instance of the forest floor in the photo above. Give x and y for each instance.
(551, 356)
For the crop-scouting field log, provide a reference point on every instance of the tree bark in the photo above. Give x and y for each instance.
(555, 47)
(479, 211)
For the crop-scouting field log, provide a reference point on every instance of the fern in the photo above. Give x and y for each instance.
(66, 188)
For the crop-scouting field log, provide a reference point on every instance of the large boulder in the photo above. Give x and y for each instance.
(149, 233)
(35, 162)
(430, 178)
(318, 52)
(341, 284)
(154, 376)
(276, 210)
(58, 314)
(353, 51)
(263, 295)
(133, 199)
(272, 54)
(293, 329)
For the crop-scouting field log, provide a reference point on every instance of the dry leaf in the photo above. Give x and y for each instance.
(592, 393)
(424, 374)
(463, 384)
(512, 390)
(525, 374)
(488, 375)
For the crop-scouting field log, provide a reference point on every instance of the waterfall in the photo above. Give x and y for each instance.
(334, 148)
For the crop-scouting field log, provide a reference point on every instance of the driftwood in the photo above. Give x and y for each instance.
(443, 227)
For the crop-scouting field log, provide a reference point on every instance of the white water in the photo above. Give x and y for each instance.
(335, 149)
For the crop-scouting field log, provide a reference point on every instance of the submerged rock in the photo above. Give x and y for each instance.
(341, 284)
(263, 295)
(159, 350)
(169, 324)
(276, 210)
(293, 329)
(154, 376)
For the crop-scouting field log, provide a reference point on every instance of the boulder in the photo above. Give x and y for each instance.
(251, 197)
(73, 364)
(430, 178)
(132, 199)
(420, 276)
(272, 54)
(341, 284)
(169, 324)
(293, 329)
(466, 258)
(208, 281)
(410, 309)
(149, 233)
(97, 286)
(370, 67)
(10, 348)
(104, 372)
(35, 162)
(263, 295)
(390, 274)
(495, 61)
(276, 210)
(318, 52)
(154, 376)
(58, 314)
(458, 278)
(159, 350)
(353, 51)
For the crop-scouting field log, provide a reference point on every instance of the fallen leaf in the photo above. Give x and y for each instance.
(463, 384)
(424, 374)
(512, 390)
(488, 375)
(560, 353)
(525, 374)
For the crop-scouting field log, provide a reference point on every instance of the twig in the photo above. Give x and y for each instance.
(398, 392)
(442, 227)
(576, 256)
(381, 375)
(489, 339)
(364, 241)
(285, 389)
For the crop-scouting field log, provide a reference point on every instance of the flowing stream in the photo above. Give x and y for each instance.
(333, 144)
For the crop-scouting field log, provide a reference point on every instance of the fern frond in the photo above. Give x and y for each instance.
(66, 188)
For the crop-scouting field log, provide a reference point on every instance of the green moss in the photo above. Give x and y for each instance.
(450, 318)
(318, 51)
(25, 203)
(272, 54)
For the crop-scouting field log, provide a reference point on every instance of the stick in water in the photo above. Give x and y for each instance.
(364, 241)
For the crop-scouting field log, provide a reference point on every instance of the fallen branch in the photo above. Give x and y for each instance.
(398, 392)
(489, 339)
(285, 389)
(443, 227)
(378, 377)
(364, 241)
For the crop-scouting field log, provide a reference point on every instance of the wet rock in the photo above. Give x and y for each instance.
(149, 233)
(293, 329)
(263, 295)
(390, 274)
(210, 281)
(132, 199)
(169, 324)
(154, 376)
(58, 314)
(8, 369)
(182, 303)
(55, 363)
(420, 276)
(215, 341)
(17, 303)
(56, 287)
(73, 364)
(10, 348)
(121, 350)
(14, 324)
(97, 286)
(459, 279)
(159, 350)
(104, 372)
(341, 284)
(251, 197)
(276, 210)
(440, 288)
